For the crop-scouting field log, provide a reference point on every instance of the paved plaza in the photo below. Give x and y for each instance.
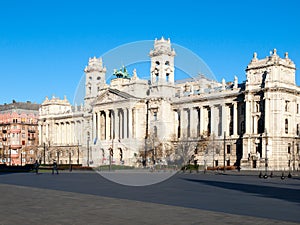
(88, 198)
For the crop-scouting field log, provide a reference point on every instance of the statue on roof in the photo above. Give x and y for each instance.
(121, 73)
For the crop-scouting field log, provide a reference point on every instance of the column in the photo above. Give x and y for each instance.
(235, 118)
(224, 119)
(254, 124)
(98, 132)
(112, 124)
(117, 124)
(121, 118)
(180, 116)
(248, 121)
(188, 120)
(193, 122)
(201, 119)
(129, 123)
(211, 119)
(94, 124)
(125, 122)
(107, 128)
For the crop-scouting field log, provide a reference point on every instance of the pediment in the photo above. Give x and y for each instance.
(113, 96)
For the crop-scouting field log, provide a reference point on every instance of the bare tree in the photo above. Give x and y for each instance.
(153, 150)
(183, 151)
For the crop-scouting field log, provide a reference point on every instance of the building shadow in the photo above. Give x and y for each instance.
(287, 194)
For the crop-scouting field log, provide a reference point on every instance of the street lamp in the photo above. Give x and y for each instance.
(88, 149)
(78, 153)
(266, 156)
(70, 160)
(44, 153)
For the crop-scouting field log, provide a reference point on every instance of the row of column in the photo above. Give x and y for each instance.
(62, 133)
(114, 124)
(195, 121)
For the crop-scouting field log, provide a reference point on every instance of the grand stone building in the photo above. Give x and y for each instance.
(131, 120)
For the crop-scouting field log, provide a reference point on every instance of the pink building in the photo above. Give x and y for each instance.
(18, 133)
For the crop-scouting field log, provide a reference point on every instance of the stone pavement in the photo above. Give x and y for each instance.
(24, 203)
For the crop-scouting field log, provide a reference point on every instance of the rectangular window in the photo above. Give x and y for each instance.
(297, 108)
(228, 149)
(217, 163)
(23, 142)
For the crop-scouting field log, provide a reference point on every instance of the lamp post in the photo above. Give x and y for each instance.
(44, 153)
(224, 146)
(57, 157)
(213, 162)
(111, 153)
(266, 156)
(70, 160)
(78, 153)
(21, 157)
(88, 149)
(9, 156)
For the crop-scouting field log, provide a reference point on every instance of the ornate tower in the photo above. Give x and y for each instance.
(95, 79)
(162, 62)
(271, 104)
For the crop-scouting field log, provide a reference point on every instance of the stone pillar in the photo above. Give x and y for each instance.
(188, 121)
(248, 122)
(94, 124)
(129, 123)
(117, 124)
(125, 123)
(193, 121)
(254, 124)
(201, 119)
(98, 129)
(224, 119)
(107, 125)
(181, 124)
(112, 124)
(212, 120)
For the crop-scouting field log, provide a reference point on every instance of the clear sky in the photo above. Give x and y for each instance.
(45, 45)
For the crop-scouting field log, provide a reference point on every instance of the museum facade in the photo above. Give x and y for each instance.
(134, 121)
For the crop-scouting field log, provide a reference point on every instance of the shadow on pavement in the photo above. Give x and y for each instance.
(287, 194)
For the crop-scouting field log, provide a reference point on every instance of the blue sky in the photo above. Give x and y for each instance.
(45, 45)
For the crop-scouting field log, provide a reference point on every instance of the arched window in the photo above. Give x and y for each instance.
(286, 126)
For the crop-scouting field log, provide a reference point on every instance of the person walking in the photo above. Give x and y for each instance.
(36, 166)
(54, 167)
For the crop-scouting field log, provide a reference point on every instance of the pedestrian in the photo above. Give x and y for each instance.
(36, 166)
(54, 167)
